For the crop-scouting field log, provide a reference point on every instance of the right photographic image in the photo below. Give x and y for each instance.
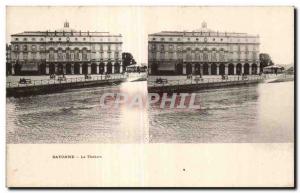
(223, 75)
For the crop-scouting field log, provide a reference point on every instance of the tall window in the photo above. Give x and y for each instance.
(116, 55)
(60, 54)
(162, 48)
(76, 54)
(33, 48)
(33, 55)
(51, 55)
(25, 48)
(205, 56)
(84, 54)
(68, 54)
(25, 56)
(214, 56)
(222, 58)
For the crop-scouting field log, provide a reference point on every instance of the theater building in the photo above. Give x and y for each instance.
(204, 52)
(65, 51)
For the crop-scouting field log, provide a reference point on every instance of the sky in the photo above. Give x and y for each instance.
(274, 25)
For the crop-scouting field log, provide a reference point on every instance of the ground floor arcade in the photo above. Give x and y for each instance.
(66, 68)
(206, 69)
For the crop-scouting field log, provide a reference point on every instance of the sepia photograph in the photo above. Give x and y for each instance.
(85, 78)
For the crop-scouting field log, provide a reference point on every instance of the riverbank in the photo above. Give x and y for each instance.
(183, 84)
(45, 85)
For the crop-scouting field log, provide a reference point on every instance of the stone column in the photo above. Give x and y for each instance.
(242, 68)
(105, 68)
(12, 69)
(47, 68)
(250, 69)
(89, 70)
(201, 69)
(97, 67)
(218, 69)
(226, 69)
(121, 68)
(80, 68)
(113, 68)
(209, 69)
(234, 69)
(258, 70)
(193, 68)
(64, 68)
(184, 68)
(72, 68)
(55, 68)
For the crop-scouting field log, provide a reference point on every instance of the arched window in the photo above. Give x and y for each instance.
(84, 54)
(60, 54)
(76, 54)
(68, 54)
(51, 54)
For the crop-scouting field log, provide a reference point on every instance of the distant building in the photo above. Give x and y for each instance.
(8, 60)
(274, 69)
(65, 51)
(203, 52)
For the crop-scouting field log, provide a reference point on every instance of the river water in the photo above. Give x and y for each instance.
(245, 114)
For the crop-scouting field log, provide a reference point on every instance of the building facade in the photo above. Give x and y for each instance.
(65, 51)
(204, 52)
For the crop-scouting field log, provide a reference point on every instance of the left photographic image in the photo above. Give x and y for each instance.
(64, 69)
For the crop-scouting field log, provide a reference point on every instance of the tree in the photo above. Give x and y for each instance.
(265, 60)
(127, 59)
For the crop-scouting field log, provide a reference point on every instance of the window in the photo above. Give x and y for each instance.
(16, 47)
(116, 55)
(162, 48)
(84, 54)
(25, 56)
(214, 39)
(76, 39)
(33, 47)
(170, 39)
(68, 54)
(33, 56)
(197, 39)
(205, 56)
(33, 39)
(51, 39)
(108, 48)
(101, 48)
(221, 39)
(51, 55)
(60, 54)
(42, 39)
(25, 48)
(59, 39)
(153, 39)
(214, 56)
(83, 39)
(16, 39)
(162, 39)
(25, 39)
(76, 54)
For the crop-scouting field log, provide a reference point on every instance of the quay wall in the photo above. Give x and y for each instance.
(53, 88)
(192, 87)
